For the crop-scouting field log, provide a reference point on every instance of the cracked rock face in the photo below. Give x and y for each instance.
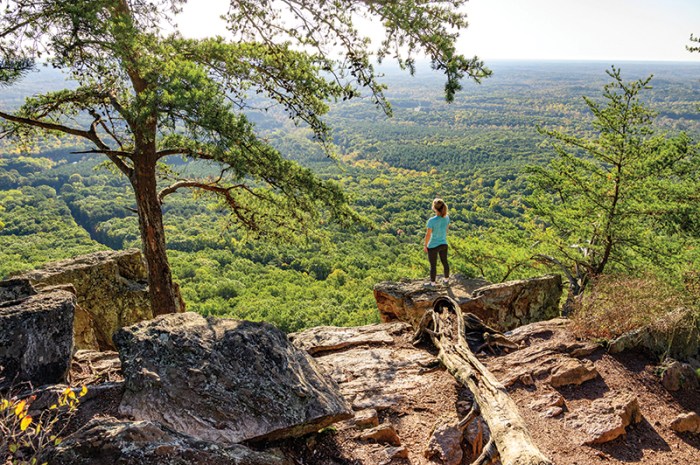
(223, 380)
(36, 339)
(111, 290)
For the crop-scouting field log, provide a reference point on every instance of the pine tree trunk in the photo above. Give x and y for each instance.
(164, 298)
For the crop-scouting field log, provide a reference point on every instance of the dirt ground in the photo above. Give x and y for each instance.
(392, 379)
(649, 442)
(441, 400)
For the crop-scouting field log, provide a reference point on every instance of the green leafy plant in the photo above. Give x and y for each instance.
(25, 440)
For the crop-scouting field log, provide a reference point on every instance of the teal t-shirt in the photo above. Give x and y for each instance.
(439, 226)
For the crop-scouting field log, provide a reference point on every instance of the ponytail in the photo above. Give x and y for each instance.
(440, 207)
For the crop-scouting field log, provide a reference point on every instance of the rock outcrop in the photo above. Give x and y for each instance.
(407, 301)
(676, 335)
(503, 306)
(223, 381)
(111, 290)
(606, 418)
(548, 353)
(688, 422)
(398, 393)
(36, 338)
(112, 441)
(373, 376)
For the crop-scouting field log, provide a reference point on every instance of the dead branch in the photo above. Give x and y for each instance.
(509, 433)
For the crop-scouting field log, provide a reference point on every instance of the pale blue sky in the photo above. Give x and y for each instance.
(645, 30)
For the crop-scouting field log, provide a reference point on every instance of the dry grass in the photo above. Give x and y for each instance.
(619, 304)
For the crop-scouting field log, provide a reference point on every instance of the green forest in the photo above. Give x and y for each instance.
(488, 154)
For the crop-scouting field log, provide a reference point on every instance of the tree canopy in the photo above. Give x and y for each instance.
(616, 195)
(144, 93)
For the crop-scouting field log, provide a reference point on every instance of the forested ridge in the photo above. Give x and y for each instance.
(472, 153)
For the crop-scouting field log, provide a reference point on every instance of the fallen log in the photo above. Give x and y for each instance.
(445, 326)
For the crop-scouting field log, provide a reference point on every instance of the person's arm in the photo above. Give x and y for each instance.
(428, 233)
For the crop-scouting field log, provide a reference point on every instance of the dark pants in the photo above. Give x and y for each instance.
(432, 258)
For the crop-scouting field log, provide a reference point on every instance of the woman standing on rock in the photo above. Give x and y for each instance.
(436, 240)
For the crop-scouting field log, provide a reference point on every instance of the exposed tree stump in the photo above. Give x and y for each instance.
(445, 325)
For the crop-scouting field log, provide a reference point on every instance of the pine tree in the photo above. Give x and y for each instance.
(613, 197)
(151, 94)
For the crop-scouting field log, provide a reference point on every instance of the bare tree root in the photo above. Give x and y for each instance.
(510, 438)
(489, 454)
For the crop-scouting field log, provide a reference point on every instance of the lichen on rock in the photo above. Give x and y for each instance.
(224, 380)
(36, 339)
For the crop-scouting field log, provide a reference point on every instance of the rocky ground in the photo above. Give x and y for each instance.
(582, 405)
(188, 390)
(568, 420)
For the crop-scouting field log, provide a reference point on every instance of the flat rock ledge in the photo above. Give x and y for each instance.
(504, 306)
(224, 381)
(332, 338)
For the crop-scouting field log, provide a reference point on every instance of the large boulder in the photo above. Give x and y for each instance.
(111, 441)
(111, 289)
(36, 339)
(504, 305)
(223, 381)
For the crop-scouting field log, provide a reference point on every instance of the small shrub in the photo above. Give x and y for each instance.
(618, 304)
(27, 441)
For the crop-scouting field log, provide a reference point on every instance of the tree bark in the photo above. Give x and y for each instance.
(164, 298)
(508, 430)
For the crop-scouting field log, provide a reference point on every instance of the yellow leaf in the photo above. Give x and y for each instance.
(19, 408)
(4, 404)
(71, 395)
(24, 424)
(83, 391)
